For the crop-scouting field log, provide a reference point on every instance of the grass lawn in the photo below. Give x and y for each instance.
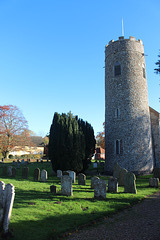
(39, 215)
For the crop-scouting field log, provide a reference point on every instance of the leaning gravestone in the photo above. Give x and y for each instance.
(93, 181)
(4, 171)
(66, 185)
(9, 171)
(7, 195)
(112, 185)
(122, 173)
(37, 174)
(59, 173)
(72, 174)
(154, 182)
(100, 189)
(81, 179)
(25, 172)
(13, 172)
(44, 176)
(130, 183)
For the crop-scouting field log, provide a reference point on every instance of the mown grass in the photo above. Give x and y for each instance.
(38, 214)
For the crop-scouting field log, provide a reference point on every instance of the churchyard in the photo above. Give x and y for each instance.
(41, 214)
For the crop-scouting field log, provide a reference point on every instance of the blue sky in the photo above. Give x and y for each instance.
(52, 54)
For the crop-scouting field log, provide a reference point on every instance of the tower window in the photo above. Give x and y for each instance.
(144, 71)
(119, 147)
(117, 69)
(117, 113)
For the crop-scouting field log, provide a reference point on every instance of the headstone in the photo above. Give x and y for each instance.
(44, 176)
(122, 173)
(53, 189)
(65, 173)
(156, 172)
(66, 185)
(13, 172)
(100, 189)
(9, 171)
(25, 172)
(93, 181)
(59, 173)
(130, 183)
(37, 174)
(81, 179)
(22, 161)
(94, 165)
(154, 182)
(116, 170)
(72, 174)
(8, 200)
(4, 171)
(112, 185)
(2, 186)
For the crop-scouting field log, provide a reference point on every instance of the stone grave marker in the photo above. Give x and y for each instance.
(112, 185)
(25, 172)
(13, 172)
(81, 179)
(9, 171)
(37, 174)
(2, 187)
(65, 173)
(122, 173)
(130, 183)
(116, 170)
(66, 185)
(100, 189)
(156, 172)
(44, 175)
(53, 189)
(94, 165)
(4, 171)
(22, 161)
(59, 173)
(93, 181)
(72, 174)
(154, 182)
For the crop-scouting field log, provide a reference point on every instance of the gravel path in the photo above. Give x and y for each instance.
(142, 221)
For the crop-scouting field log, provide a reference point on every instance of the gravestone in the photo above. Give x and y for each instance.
(66, 185)
(25, 172)
(8, 200)
(2, 187)
(156, 172)
(94, 165)
(130, 183)
(13, 172)
(53, 189)
(9, 171)
(59, 173)
(4, 171)
(22, 161)
(65, 173)
(112, 185)
(72, 174)
(122, 173)
(100, 189)
(44, 176)
(37, 174)
(81, 179)
(154, 182)
(93, 181)
(116, 170)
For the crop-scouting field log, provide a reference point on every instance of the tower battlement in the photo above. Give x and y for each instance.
(125, 39)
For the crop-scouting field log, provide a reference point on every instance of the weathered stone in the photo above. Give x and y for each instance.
(122, 172)
(53, 189)
(112, 185)
(4, 171)
(25, 172)
(116, 171)
(8, 200)
(100, 189)
(94, 165)
(154, 182)
(37, 174)
(130, 183)
(44, 176)
(81, 179)
(72, 174)
(65, 173)
(13, 172)
(59, 173)
(66, 185)
(93, 181)
(2, 187)
(9, 171)
(156, 172)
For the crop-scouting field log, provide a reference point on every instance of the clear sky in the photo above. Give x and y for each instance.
(52, 55)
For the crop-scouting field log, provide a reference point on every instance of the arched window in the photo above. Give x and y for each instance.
(119, 146)
(117, 113)
(117, 69)
(144, 70)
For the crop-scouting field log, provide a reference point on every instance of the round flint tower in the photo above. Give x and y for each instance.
(127, 118)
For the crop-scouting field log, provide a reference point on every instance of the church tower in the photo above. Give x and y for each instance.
(127, 118)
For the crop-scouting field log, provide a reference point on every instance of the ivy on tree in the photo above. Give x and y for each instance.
(71, 143)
